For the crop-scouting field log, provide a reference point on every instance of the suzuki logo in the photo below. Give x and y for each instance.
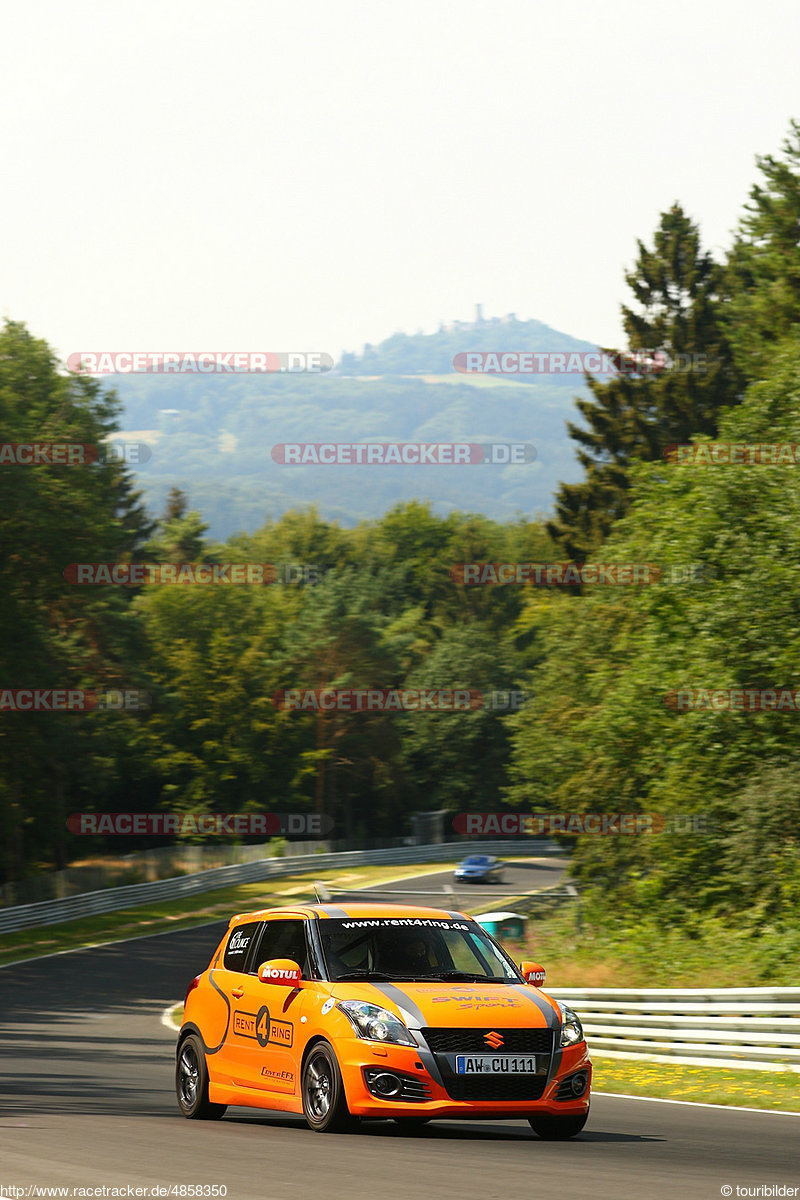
(493, 1039)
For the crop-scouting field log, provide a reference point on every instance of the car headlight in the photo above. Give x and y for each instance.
(375, 1023)
(571, 1028)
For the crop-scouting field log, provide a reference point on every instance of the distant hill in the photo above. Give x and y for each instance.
(212, 435)
(433, 354)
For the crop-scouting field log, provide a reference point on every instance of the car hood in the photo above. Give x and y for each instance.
(463, 1005)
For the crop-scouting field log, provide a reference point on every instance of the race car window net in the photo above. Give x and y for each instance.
(412, 949)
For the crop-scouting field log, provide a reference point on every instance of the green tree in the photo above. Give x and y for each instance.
(638, 413)
(53, 633)
(763, 270)
(601, 735)
(458, 760)
(180, 536)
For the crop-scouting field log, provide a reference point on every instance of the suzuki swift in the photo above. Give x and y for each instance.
(378, 1011)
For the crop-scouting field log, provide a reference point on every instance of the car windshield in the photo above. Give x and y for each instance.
(413, 948)
(476, 861)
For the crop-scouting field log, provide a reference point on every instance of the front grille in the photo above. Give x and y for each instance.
(445, 1043)
(471, 1041)
(415, 1089)
(495, 1087)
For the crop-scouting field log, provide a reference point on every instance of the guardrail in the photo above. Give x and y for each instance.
(757, 1028)
(87, 904)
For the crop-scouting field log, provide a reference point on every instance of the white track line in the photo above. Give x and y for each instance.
(166, 1017)
(779, 1112)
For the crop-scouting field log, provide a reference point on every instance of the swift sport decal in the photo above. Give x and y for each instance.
(466, 1003)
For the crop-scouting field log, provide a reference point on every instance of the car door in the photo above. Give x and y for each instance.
(228, 977)
(265, 1020)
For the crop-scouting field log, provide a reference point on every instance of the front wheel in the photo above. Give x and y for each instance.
(324, 1103)
(191, 1082)
(556, 1129)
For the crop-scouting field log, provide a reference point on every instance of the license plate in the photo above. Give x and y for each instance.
(495, 1064)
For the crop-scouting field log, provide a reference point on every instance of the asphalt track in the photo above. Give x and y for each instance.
(435, 888)
(86, 1099)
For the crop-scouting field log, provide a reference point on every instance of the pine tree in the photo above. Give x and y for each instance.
(763, 270)
(676, 379)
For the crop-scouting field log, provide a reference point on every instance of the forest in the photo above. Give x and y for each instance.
(383, 603)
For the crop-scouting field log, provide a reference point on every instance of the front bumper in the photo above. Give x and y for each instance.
(422, 1094)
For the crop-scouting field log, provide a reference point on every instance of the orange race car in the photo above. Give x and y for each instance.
(378, 1010)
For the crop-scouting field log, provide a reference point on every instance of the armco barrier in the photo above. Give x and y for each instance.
(756, 1028)
(88, 904)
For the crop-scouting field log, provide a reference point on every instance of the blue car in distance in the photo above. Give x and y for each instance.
(479, 868)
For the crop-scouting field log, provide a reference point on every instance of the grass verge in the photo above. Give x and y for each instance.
(608, 949)
(707, 1085)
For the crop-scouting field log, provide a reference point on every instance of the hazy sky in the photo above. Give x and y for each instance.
(315, 174)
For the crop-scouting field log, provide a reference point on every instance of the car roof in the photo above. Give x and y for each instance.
(359, 910)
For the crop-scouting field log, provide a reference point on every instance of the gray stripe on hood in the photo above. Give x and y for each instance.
(415, 1019)
(553, 1022)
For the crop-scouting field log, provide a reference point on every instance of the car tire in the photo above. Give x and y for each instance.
(191, 1082)
(324, 1102)
(557, 1129)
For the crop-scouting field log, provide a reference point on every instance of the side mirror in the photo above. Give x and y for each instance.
(533, 972)
(283, 971)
